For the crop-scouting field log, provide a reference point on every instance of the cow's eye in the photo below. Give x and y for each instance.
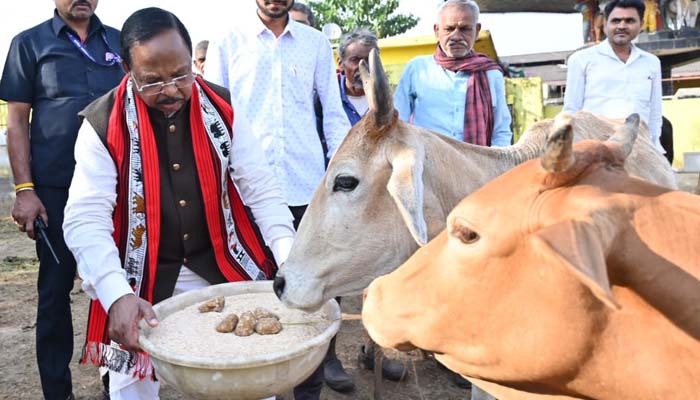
(464, 234)
(345, 183)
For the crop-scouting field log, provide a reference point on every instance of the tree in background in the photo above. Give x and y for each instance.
(376, 15)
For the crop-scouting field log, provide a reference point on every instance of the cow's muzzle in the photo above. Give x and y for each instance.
(278, 286)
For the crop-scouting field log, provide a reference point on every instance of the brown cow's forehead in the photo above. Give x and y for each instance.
(525, 192)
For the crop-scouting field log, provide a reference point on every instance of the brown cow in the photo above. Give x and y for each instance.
(564, 278)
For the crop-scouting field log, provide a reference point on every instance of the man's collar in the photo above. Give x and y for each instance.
(341, 83)
(344, 94)
(58, 24)
(292, 27)
(259, 27)
(606, 49)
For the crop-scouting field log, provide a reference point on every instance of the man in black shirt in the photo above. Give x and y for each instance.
(53, 70)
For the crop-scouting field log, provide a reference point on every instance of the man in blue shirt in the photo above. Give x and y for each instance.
(53, 70)
(354, 47)
(456, 92)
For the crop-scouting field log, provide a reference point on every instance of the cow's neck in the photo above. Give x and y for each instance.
(639, 341)
(461, 168)
(653, 256)
(454, 169)
(654, 271)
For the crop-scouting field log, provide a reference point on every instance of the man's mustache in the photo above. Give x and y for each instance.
(169, 100)
(80, 3)
(357, 81)
(454, 42)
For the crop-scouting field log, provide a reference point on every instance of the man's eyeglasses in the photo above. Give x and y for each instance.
(153, 89)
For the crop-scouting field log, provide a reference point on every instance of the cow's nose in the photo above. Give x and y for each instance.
(278, 286)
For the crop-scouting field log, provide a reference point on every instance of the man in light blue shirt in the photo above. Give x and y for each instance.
(456, 92)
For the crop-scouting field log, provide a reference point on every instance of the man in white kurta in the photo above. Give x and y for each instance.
(156, 206)
(616, 78)
(274, 67)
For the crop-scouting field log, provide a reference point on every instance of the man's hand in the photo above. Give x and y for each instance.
(124, 315)
(27, 208)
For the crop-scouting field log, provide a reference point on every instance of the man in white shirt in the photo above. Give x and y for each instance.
(156, 206)
(272, 68)
(616, 78)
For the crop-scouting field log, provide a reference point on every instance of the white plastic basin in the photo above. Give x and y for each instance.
(255, 377)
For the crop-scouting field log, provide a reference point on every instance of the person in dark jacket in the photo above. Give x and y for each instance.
(52, 71)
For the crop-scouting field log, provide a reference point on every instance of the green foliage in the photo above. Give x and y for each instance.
(377, 15)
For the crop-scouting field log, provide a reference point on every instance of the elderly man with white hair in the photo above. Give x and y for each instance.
(456, 92)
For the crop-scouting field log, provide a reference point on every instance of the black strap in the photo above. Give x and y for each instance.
(318, 109)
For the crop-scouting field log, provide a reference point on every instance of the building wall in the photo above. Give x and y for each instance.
(683, 114)
(525, 99)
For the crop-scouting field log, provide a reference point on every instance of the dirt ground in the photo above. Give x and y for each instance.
(18, 372)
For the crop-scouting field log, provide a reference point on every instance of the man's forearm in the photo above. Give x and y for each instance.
(18, 142)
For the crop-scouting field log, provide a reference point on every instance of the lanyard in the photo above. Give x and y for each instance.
(111, 56)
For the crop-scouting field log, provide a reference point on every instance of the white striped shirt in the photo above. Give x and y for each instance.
(273, 80)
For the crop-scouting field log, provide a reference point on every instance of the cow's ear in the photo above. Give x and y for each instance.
(577, 245)
(406, 188)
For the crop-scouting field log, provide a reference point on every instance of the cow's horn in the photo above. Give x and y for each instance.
(558, 154)
(377, 89)
(627, 134)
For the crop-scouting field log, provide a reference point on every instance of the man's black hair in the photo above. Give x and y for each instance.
(638, 4)
(303, 8)
(146, 23)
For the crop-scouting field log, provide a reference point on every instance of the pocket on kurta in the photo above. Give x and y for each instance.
(640, 90)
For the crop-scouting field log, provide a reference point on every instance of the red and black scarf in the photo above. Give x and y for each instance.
(478, 109)
(136, 145)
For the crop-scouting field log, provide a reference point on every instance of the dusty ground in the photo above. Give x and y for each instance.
(18, 374)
